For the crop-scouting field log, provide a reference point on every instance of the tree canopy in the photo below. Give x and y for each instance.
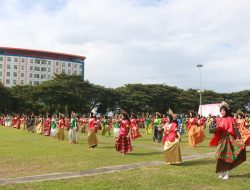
(66, 93)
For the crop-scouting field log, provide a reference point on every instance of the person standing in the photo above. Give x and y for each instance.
(171, 141)
(123, 142)
(61, 126)
(92, 138)
(158, 130)
(72, 129)
(244, 132)
(231, 150)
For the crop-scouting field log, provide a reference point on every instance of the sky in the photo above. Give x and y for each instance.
(139, 41)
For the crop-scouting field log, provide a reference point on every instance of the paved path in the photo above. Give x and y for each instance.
(102, 170)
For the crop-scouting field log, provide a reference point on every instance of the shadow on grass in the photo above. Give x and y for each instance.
(144, 153)
(247, 175)
(197, 162)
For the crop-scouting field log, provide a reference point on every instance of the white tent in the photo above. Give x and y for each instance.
(207, 109)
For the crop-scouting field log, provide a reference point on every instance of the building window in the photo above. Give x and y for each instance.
(57, 63)
(63, 64)
(63, 71)
(48, 76)
(15, 74)
(43, 76)
(37, 61)
(49, 62)
(0, 74)
(30, 82)
(43, 69)
(8, 74)
(57, 71)
(15, 67)
(36, 82)
(22, 74)
(7, 81)
(8, 66)
(36, 76)
(69, 64)
(31, 68)
(37, 68)
(80, 66)
(75, 66)
(9, 59)
(31, 75)
(1, 66)
(48, 69)
(15, 59)
(22, 82)
(69, 72)
(75, 72)
(1, 59)
(14, 81)
(23, 60)
(31, 61)
(44, 62)
(22, 67)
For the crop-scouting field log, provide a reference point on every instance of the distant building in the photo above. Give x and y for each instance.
(26, 66)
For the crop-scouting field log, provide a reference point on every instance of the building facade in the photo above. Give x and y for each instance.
(32, 67)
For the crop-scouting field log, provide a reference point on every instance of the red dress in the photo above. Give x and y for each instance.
(171, 133)
(46, 126)
(123, 142)
(229, 153)
(135, 133)
(245, 133)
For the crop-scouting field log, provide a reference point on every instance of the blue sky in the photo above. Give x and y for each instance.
(140, 41)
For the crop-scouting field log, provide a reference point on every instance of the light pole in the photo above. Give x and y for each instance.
(200, 91)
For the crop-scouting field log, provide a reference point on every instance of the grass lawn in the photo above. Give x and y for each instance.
(25, 153)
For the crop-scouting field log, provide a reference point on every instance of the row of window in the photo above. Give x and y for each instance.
(40, 61)
(14, 82)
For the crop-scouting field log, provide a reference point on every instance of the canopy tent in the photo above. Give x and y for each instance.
(210, 109)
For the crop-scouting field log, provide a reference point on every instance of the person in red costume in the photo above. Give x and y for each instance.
(123, 142)
(195, 130)
(135, 133)
(171, 141)
(244, 132)
(231, 150)
(92, 130)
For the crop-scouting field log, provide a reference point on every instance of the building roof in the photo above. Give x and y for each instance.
(40, 54)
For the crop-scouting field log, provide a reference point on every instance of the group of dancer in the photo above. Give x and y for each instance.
(231, 132)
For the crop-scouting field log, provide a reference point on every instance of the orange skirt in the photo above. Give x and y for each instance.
(196, 135)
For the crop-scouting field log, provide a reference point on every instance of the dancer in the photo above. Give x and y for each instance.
(53, 130)
(116, 122)
(61, 126)
(244, 132)
(171, 141)
(47, 126)
(230, 153)
(195, 130)
(148, 124)
(72, 129)
(158, 130)
(92, 138)
(135, 133)
(123, 142)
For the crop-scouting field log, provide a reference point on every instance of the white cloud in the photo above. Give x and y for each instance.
(140, 41)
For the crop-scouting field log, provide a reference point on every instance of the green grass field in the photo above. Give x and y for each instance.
(25, 154)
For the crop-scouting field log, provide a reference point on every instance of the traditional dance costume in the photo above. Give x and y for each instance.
(195, 132)
(53, 130)
(171, 144)
(61, 126)
(92, 138)
(123, 142)
(72, 131)
(135, 133)
(244, 132)
(230, 153)
(46, 127)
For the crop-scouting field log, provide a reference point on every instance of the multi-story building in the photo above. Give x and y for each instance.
(26, 66)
